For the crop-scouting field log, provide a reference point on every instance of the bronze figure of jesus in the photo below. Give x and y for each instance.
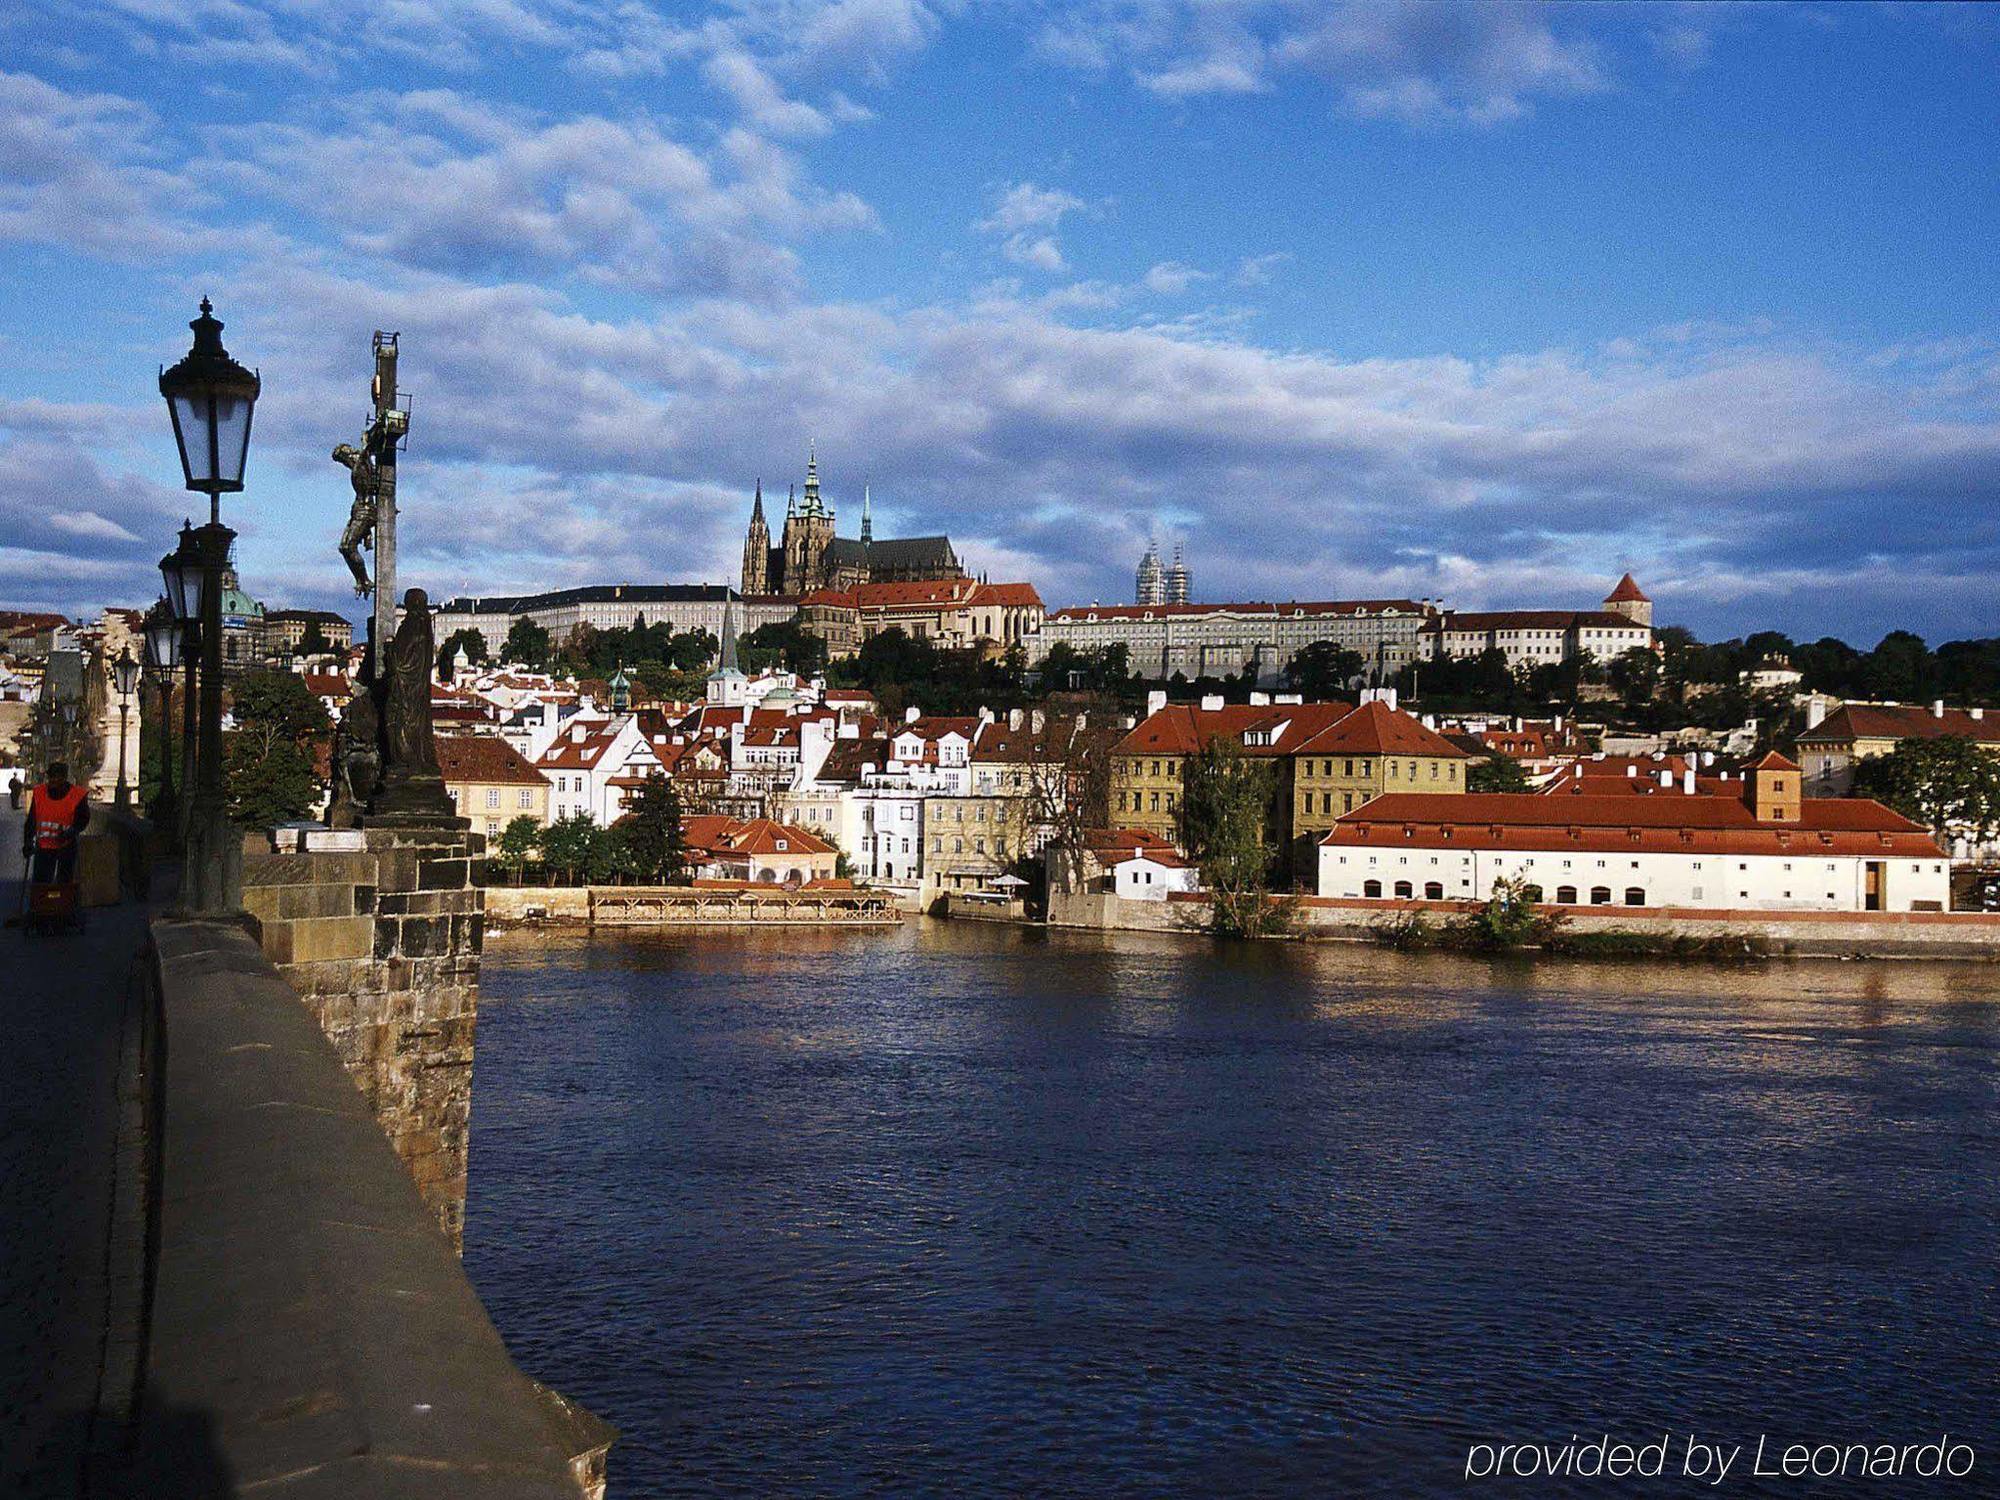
(366, 476)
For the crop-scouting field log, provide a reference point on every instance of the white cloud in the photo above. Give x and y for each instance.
(1170, 278)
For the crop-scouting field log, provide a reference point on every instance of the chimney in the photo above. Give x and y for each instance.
(1013, 718)
(1937, 709)
(1260, 700)
(1978, 715)
(1708, 757)
(1211, 703)
(1666, 778)
(1687, 781)
(1631, 772)
(1155, 701)
(910, 714)
(985, 716)
(1815, 711)
(1037, 720)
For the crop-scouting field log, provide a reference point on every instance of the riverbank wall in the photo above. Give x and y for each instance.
(1933, 935)
(720, 905)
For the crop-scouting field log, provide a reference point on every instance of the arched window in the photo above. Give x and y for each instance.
(1635, 895)
(1403, 890)
(1372, 889)
(1434, 890)
(1565, 895)
(1600, 895)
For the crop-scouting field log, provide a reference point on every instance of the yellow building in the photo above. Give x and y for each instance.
(1830, 750)
(491, 782)
(1148, 766)
(1373, 750)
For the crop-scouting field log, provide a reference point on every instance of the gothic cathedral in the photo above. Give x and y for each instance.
(809, 556)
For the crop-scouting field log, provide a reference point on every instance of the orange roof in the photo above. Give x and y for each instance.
(1663, 824)
(1627, 592)
(843, 598)
(1377, 729)
(1183, 728)
(1773, 761)
(715, 833)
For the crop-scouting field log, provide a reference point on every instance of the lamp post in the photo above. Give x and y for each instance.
(210, 398)
(125, 673)
(164, 635)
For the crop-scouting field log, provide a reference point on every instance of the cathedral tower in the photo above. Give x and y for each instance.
(757, 549)
(808, 534)
(1150, 584)
(1178, 579)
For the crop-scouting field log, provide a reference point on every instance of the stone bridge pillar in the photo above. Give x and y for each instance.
(379, 930)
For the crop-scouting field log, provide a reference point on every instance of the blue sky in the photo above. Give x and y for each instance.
(1480, 302)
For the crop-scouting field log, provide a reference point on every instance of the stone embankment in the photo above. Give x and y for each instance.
(687, 906)
(1935, 935)
(312, 1333)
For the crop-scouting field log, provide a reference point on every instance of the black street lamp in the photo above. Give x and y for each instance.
(164, 636)
(125, 673)
(210, 398)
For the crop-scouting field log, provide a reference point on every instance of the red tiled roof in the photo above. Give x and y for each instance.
(1626, 592)
(1773, 761)
(1377, 729)
(1873, 721)
(1293, 609)
(1663, 824)
(838, 598)
(1015, 595)
(715, 833)
(1183, 728)
(950, 591)
(484, 760)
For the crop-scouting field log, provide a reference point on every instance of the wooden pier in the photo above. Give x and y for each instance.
(698, 906)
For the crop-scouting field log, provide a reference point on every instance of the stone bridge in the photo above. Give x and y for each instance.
(232, 1175)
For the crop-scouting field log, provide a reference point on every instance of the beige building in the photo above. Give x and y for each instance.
(1546, 637)
(491, 783)
(1830, 749)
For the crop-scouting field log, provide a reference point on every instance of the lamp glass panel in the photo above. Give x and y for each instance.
(163, 644)
(191, 414)
(232, 437)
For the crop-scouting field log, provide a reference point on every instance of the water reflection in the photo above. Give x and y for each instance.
(966, 1210)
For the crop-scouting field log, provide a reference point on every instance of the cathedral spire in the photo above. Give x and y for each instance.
(757, 505)
(811, 505)
(791, 501)
(867, 518)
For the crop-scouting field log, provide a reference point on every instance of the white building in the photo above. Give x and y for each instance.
(1220, 640)
(1767, 849)
(612, 606)
(1546, 637)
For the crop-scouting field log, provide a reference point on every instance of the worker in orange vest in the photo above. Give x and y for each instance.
(58, 812)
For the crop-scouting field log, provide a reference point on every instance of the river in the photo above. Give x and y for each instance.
(975, 1211)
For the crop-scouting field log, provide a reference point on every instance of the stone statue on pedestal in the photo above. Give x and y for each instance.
(412, 787)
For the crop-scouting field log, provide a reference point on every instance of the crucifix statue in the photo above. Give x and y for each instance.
(388, 768)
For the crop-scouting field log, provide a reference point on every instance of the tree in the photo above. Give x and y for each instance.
(652, 833)
(526, 643)
(1636, 674)
(1948, 784)
(784, 643)
(568, 844)
(1497, 773)
(517, 843)
(272, 758)
(313, 641)
(475, 651)
(1321, 671)
(1224, 813)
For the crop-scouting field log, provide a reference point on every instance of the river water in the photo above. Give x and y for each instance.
(974, 1211)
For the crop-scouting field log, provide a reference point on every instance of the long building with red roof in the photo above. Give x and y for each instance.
(1759, 846)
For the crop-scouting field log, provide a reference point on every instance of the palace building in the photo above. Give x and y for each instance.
(809, 556)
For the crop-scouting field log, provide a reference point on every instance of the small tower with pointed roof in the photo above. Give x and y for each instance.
(867, 517)
(621, 692)
(1628, 600)
(808, 534)
(1178, 579)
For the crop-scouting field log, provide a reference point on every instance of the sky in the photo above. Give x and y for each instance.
(1486, 303)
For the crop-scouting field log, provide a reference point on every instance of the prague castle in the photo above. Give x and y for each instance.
(809, 556)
